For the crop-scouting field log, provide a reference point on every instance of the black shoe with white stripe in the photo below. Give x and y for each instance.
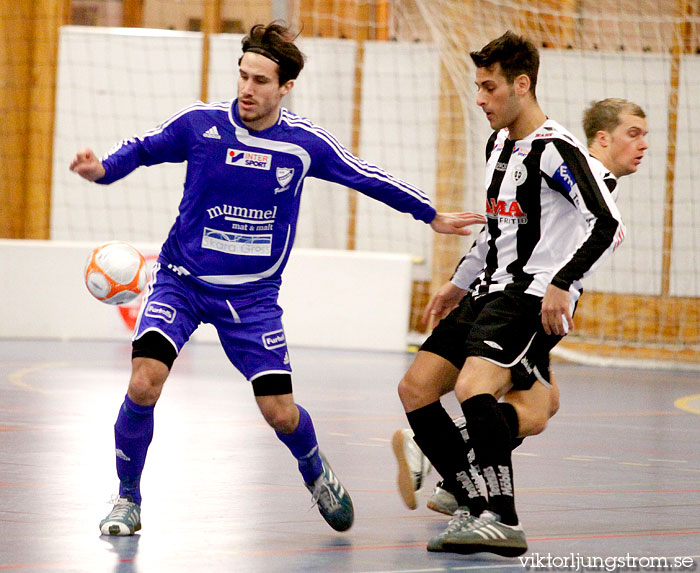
(461, 521)
(332, 499)
(488, 534)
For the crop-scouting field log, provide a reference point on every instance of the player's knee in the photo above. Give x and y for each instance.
(412, 394)
(405, 390)
(532, 418)
(538, 425)
(553, 394)
(273, 393)
(147, 379)
(534, 422)
(283, 419)
(553, 403)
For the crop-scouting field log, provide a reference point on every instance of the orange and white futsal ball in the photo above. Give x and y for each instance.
(115, 273)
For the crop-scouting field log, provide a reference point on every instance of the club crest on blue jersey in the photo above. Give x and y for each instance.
(284, 178)
(248, 159)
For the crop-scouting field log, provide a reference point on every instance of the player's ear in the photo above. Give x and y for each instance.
(522, 84)
(602, 137)
(287, 87)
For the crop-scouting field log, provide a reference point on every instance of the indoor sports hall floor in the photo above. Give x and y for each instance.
(616, 475)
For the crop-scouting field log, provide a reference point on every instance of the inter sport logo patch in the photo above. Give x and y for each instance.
(248, 159)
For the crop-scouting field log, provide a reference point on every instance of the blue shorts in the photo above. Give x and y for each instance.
(247, 319)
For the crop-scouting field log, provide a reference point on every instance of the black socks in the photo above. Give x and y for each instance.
(442, 443)
(491, 437)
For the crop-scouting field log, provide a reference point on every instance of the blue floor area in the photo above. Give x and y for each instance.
(616, 475)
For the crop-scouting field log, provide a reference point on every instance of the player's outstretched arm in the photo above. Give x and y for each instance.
(456, 223)
(86, 164)
(441, 304)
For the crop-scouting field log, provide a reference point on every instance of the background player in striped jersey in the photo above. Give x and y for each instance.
(551, 222)
(616, 131)
(222, 261)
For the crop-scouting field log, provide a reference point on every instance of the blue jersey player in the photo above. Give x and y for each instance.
(222, 261)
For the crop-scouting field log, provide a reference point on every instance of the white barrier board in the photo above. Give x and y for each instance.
(331, 299)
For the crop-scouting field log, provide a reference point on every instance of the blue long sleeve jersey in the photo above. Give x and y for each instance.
(237, 218)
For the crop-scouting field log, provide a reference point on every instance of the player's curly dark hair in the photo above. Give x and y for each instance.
(276, 42)
(516, 55)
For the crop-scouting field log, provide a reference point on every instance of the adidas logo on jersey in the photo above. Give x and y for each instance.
(212, 133)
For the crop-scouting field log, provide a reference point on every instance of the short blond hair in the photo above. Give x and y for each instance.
(604, 115)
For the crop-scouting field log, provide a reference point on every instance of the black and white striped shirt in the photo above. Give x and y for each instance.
(608, 178)
(550, 216)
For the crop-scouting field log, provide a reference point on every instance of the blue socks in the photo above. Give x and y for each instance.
(304, 447)
(133, 432)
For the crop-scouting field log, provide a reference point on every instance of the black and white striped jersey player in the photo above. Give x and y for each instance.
(551, 217)
(551, 221)
(616, 133)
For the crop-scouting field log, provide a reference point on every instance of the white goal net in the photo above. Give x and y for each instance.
(393, 81)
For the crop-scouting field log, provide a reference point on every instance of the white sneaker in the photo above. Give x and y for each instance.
(413, 466)
(442, 500)
(124, 519)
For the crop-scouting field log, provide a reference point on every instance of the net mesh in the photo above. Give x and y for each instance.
(392, 80)
(643, 304)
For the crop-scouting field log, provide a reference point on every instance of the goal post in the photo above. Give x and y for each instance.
(29, 40)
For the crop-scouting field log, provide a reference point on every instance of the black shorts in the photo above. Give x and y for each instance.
(504, 328)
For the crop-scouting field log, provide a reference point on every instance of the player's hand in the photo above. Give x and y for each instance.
(86, 164)
(442, 303)
(456, 223)
(556, 318)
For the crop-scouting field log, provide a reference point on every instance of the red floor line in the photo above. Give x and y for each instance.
(599, 491)
(414, 545)
(616, 535)
(22, 484)
(17, 566)
(34, 565)
(517, 491)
